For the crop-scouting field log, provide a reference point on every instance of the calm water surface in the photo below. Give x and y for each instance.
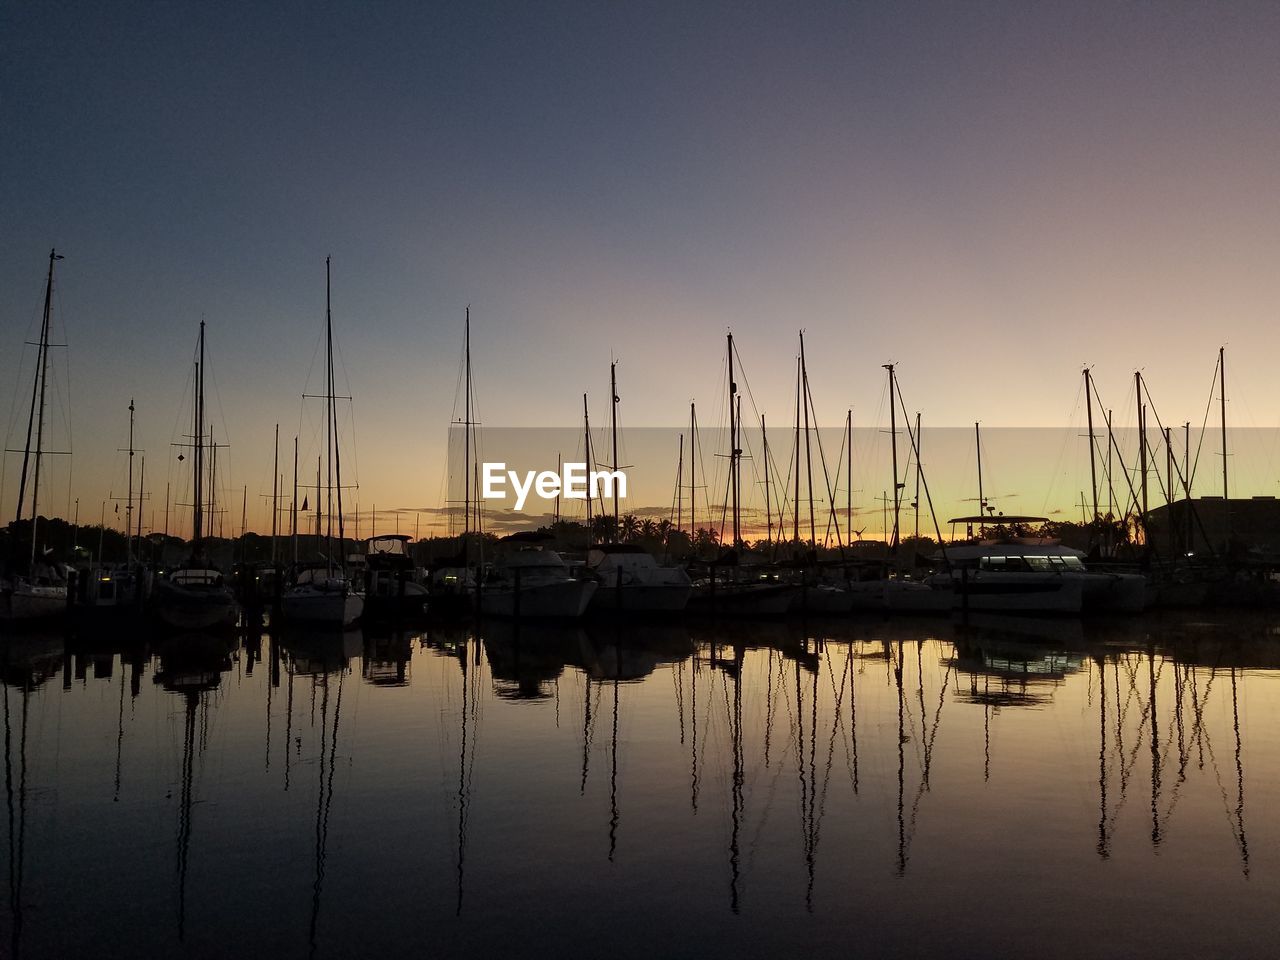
(738, 790)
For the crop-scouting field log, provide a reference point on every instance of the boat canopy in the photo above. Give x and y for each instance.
(999, 519)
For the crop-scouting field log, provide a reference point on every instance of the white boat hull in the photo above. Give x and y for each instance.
(321, 607)
(29, 601)
(980, 591)
(566, 598)
(642, 598)
(744, 599)
(193, 609)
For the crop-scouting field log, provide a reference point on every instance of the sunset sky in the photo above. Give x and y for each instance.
(989, 195)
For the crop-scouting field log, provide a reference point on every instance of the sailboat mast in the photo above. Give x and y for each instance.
(1226, 497)
(586, 455)
(915, 505)
(328, 418)
(693, 470)
(613, 428)
(44, 381)
(142, 481)
(36, 413)
(197, 521)
(293, 507)
(768, 507)
(213, 484)
(679, 518)
(893, 438)
(466, 426)
(848, 493)
(1142, 448)
(275, 494)
(808, 453)
(1093, 466)
(733, 447)
(795, 500)
(128, 509)
(982, 500)
(333, 414)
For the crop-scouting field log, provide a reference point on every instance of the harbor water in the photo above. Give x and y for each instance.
(858, 787)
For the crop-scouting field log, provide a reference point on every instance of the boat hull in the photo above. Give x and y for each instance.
(566, 599)
(193, 609)
(321, 607)
(1048, 593)
(642, 598)
(744, 599)
(27, 602)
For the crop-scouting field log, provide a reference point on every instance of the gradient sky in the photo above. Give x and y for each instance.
(989, 194)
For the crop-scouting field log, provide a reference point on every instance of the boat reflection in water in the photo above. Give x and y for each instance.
(191, 666)
(707, 787)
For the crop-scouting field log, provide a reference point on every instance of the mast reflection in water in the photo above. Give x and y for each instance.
(719, 790)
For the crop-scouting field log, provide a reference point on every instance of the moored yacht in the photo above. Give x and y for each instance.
(39, 595)
(390, 590)
(1101, 591)
(534, 582)
(195, 597)
(321, 595)
(632, 581)
(748, 590)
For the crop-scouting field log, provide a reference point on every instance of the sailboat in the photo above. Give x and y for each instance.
(729, 587)
(322, 593)
(35, 590)
(196, 596)
(631, 579)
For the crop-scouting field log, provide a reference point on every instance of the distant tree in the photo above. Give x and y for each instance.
(629, 528)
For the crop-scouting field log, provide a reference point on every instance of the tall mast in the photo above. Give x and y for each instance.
(328, 417)
(1142, 448)
(466, 425)
(36, 416)
(1226, 497)
(586, 455)
(142, 480)
(293, 507)
(679, 485)
(275, 494)
(318, 488)
(1093, 467)
(808, 453)
(613, 427)
(768, 507)
(982, 502)
(197, 521)
(693, 471)
(128, 510)
(848, 493)
(333, 412)
(795, 502)
(915, 504)
(213, 483)
(1186, 478)
(733, 447)
(893, 436)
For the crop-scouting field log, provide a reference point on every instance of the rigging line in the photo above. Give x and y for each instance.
(826, 475)
(924, 482)
(1208, 406)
